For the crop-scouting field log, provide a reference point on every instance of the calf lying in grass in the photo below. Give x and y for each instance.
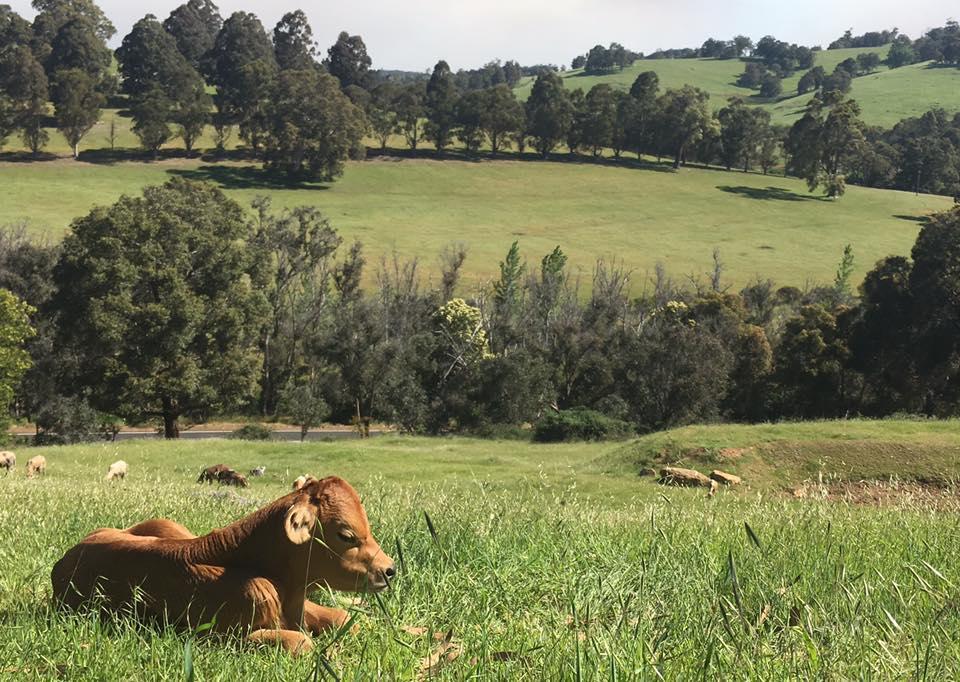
(251, 576)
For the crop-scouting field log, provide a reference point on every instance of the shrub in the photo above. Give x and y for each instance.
(579, 424)
(252, 432)
(62, 421)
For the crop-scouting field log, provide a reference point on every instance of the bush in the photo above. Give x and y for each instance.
(62, 421)
(252, 432)
(580, 424)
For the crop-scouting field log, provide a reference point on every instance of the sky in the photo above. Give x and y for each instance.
(414, 34)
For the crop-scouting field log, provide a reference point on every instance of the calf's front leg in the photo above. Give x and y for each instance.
(293, 642)
(317, 619)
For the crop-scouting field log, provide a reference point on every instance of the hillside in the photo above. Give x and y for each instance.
(784, 455)
(763, 225)
(885, 96)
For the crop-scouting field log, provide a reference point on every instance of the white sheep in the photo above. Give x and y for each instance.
(36, 465)
(8, 461)
(117, 470)
(259, 471)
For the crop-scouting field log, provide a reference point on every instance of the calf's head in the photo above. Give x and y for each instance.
(345, 555)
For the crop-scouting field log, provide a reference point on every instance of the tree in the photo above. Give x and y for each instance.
(347, 59)
(26, 88)
(599, 60)
(158, 295)
(625, 118)
(644, 92)
(900, 54)
(809, 365)
(77, 46)
(152, 112)
(149, 58)
(770, 87)
(293, 42)
(742, 130)
(77, 104)
(501, 116)
(383, 124)
(578, 62)
(243, 67)
(600, 118)
(742, 45)
(409, 109)
(303, 403)
(15, 332)
(194, 26)
(934, 287)
(549, 112)
(469, 113)
(822, 143)
(811, 80)
(192, 114)
(867, 62)
(299, 246)
(52, 15)
(312, 126)
(686, 115)
(440, 105)
(578, 112)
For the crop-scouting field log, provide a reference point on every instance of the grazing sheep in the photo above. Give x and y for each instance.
(302, 481)
(8, 461)
(211, 474)
(259, 471)
(231, 477)
(117, 470)
(249, 578)
(36, 465)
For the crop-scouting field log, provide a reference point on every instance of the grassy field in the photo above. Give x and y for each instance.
(547, 564)
(764, 226)
(886, 96)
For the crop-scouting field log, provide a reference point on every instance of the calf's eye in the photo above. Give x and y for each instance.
(348, 538)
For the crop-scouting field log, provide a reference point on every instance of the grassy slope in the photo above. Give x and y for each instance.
(544, 566)
(784, 454)
(886, 96)
(767, 226)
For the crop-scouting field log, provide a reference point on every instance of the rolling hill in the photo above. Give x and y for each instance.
(766, 226)
(885, 96)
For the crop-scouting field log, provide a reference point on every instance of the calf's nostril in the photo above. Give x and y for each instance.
(390, 571)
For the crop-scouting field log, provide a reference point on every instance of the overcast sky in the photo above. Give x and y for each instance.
(415, 33)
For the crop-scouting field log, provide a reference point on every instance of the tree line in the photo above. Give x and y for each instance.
(180, 304)
(304, 114)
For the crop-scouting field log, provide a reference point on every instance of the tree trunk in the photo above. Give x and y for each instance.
(303, 432)
(171, 417)
(76, 151)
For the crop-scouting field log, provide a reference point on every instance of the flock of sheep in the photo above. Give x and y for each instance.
(218, 473)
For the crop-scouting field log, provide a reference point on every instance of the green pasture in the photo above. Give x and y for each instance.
(637, 215)
(546, 562)
(886, 96)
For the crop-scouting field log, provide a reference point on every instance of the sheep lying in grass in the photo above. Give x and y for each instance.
(8, 461)
(259, 471)
(117, 470)
(251, 577)
(231, 477)
(36, 466)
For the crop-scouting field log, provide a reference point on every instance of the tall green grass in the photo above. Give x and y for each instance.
(534, 567)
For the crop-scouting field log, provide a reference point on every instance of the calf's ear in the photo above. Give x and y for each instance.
(298, 523)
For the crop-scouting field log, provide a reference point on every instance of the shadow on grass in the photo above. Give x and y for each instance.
(766, 193)
(922, 219)
(242, 177)
(396, 154)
